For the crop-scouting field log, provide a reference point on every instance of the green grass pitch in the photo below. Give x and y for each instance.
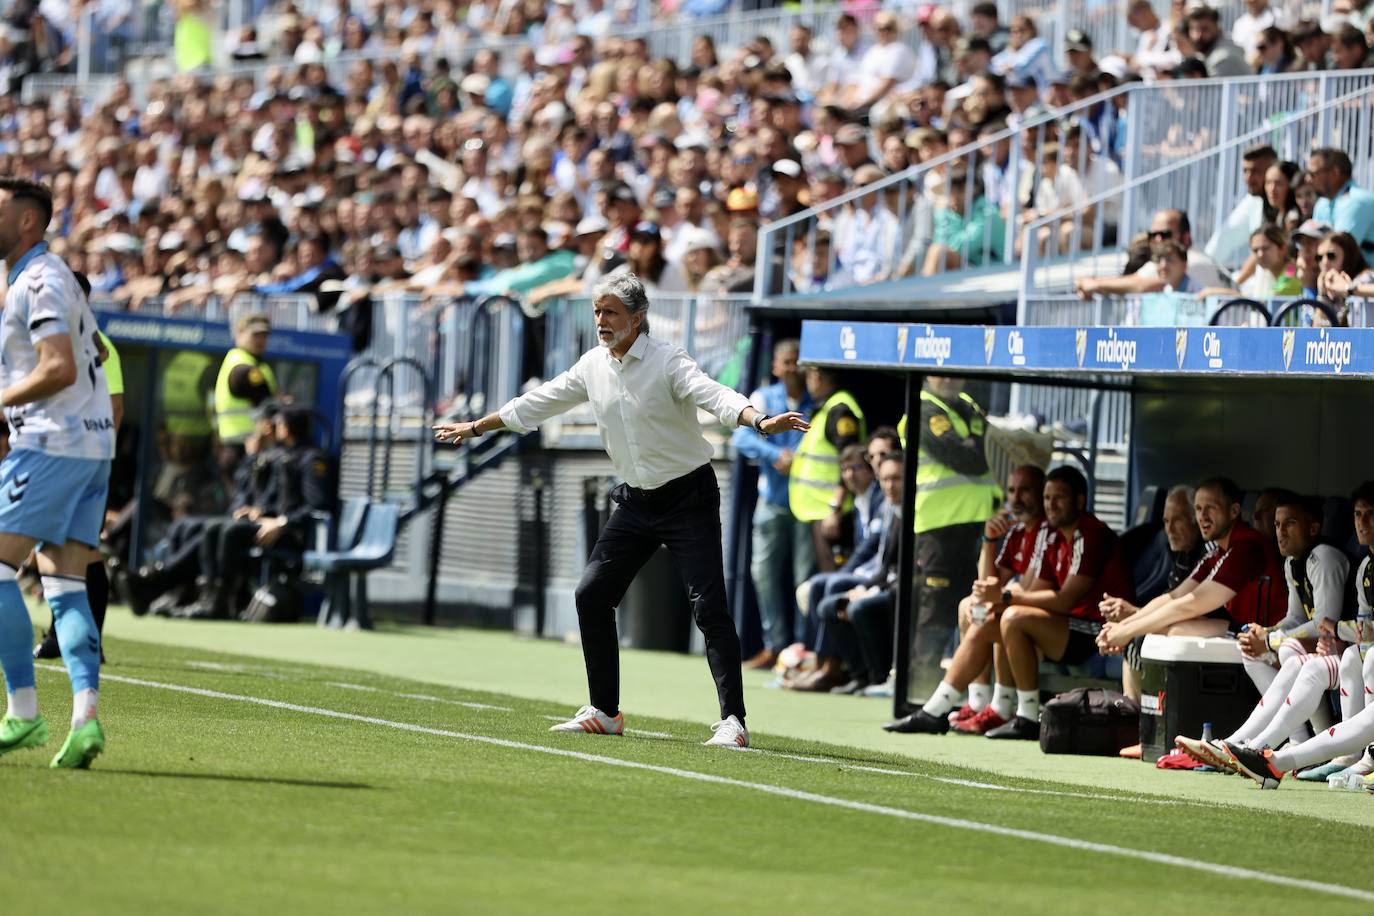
(265, 783)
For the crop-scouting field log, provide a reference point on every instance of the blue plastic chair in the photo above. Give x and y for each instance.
(365, 540)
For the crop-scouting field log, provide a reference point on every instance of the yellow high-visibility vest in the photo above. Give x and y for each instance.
(233, 414)
(815, 469)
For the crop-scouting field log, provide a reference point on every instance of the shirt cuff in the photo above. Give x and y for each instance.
(730, 411)
(511, 419)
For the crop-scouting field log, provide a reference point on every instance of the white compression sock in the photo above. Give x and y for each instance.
(1028, 704)
(1346, 738)
(1004, 700)
(84, 705)
(1352, 683)
(945, 698)
(1273, 696)
(1318, 675)
(23, 703)
(979, 695)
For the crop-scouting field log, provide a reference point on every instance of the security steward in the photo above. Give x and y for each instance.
(955, 496)
(245, 380)
(816, 494)
(302, 484)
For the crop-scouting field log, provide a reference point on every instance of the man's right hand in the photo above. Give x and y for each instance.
(455, 432)
(996, 527)
(831, 526)
(1086, 287)
(783, 464)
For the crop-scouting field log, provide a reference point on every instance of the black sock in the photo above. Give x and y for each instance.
(98, 591)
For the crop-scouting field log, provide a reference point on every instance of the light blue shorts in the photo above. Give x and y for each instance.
(53, 499)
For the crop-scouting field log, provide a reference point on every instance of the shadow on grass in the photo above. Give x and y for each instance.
(231, 777)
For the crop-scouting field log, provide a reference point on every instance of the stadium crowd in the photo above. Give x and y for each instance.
(438, 165)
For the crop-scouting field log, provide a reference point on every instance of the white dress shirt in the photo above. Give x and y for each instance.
(645, 405)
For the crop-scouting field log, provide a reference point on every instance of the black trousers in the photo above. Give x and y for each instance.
(946, 563)
(684, 516)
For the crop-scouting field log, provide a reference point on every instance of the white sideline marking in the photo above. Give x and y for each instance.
(969, 783)
(361, 688)
(1049, 839)
(470, 705)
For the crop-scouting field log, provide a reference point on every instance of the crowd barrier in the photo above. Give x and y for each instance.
(1206, 185)
(882, 232)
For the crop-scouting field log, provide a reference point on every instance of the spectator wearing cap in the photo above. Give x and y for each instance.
(1155, 51)
(1307, 238)
(885, 65)
(1343, 204)
(700, 254)
(1249, 26)
(851, 147)
(1023, 97)
(1078, 50)
(1222, 55)
(647, 261)
(983, 23)
(1230, 243)
(969, 231)
(971, 58)
(789, 182)
(1349, 49)
(1026, 56)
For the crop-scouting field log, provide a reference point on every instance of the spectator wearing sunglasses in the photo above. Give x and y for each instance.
(1166, 226)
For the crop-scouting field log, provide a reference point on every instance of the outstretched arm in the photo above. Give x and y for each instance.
(524, 413)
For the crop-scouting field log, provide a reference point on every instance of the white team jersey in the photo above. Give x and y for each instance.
(44, 299)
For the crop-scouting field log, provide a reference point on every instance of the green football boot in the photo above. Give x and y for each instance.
(82, 746)
(17, 733)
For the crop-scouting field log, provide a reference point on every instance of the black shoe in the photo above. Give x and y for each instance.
(47, 647)
(919, 722)
(143, 589)
(1018, 729)
(853, 688)
(1258, 765)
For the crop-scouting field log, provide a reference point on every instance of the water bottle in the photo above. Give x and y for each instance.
(978, 613)
(1206, 732)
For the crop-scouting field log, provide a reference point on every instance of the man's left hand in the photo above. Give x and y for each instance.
(785, 422)
(1111, 640)
(270, 531)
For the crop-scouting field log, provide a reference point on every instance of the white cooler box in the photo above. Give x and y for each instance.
(1186, 681)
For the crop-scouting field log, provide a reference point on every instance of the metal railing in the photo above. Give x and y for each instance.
(1203, 185)
(885, 230)
(1180, 310)
(294, 312)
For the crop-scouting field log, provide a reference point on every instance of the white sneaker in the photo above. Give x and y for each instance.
(728, 733)
(591, 719)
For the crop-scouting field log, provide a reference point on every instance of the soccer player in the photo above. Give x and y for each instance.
(1316, 574)
(1056, 615)
(1008, 564)
(97, 578)
(54, 479)
(1228, 576)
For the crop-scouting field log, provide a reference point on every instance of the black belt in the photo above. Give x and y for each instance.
(668, 493)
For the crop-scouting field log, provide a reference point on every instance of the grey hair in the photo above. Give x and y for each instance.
(1183, 490)
(629, 289)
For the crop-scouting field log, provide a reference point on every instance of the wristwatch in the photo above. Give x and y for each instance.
(1006, 596)
(758, 423)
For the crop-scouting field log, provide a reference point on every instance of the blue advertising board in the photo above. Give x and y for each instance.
(1094, 351)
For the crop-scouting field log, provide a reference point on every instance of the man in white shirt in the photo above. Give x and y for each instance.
(645, 395)
(884, 66)
(1230, 244)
